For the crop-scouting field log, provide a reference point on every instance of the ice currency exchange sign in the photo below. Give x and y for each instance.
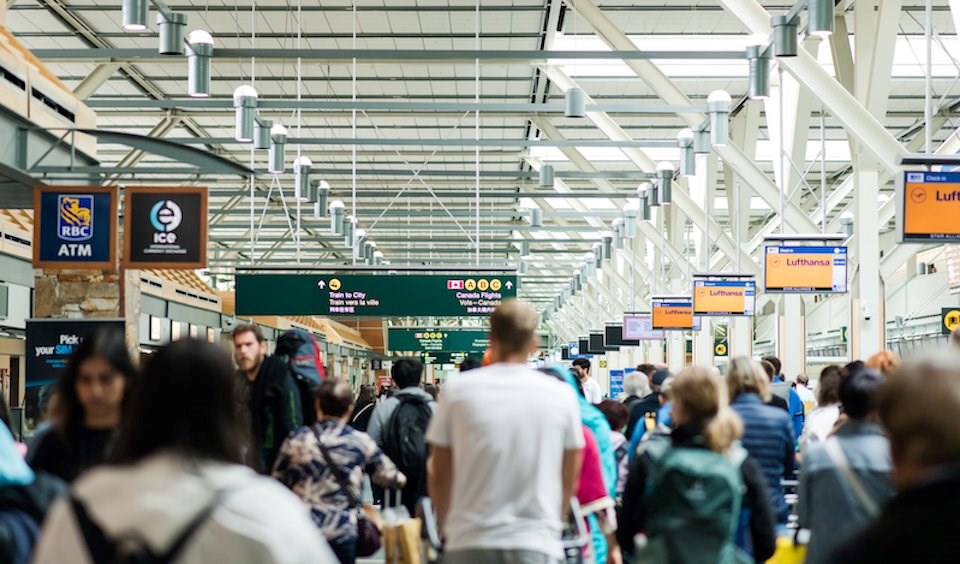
(165, 227)
(364, 295)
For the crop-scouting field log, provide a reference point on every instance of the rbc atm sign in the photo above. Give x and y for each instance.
(75, 227)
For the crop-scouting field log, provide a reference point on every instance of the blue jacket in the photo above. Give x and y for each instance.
(768, 437)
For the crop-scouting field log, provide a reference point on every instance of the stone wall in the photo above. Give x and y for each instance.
(76, 294)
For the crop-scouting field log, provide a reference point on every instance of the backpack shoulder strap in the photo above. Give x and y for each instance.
(104, 550)
(191, 528)
(101, 548)
(836, 454)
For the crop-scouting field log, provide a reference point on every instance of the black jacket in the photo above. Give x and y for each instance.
(32, 502)
(361, 416)
(633, 514)
(918, 525)
(275, 412)
(646, 404)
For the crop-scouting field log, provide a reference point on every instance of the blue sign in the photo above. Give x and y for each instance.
(75, 227)
(616, 382)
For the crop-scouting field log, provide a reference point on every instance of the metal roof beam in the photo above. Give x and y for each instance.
(861, 124)
(487, 56)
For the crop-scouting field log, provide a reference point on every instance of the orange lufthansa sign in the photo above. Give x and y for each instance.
(672, 314)
(931, 204)
(806, 269)
(723, 297)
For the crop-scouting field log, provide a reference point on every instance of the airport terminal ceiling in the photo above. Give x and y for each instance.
(432, 122)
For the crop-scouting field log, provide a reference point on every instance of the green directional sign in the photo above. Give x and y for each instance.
(437, 340)
(445, 357)
(365, 295)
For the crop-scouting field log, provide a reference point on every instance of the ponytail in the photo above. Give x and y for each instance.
(723, 430)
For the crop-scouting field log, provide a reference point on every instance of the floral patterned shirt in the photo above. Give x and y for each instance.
(301, 467)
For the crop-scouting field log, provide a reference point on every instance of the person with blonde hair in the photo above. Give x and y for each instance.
(768, 431)
(884, 362)
(702, 450)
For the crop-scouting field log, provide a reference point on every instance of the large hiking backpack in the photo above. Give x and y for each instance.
(694, 496)
(404, 436)
(305, 362)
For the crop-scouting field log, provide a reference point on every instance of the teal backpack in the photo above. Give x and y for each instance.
(693, 496)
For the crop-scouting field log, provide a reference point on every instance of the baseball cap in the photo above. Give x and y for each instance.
(660, 376)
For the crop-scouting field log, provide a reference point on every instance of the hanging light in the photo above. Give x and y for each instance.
(718, 106)
(172, 26)
(630, 213)
(665, 172)
(522, 268)
(245, 109)
(618, 233)
(820, 20)
(589, 264)
(701, 140)
(688, 162)
(598, 255)
(377, 258)
(536, 217)
(846, 221)
(368, 249)
(319, 193)
(337, 213)
(646, 210)
(784, 36)
(261, 133)
(575, 103)
(546, 176)
(301, 172)
(607, 238)
(360, 237)
(199, 53)
(653, 192)
(525, 248)
(759, 61)
(278, 142)
(349, 226)
(135, 13)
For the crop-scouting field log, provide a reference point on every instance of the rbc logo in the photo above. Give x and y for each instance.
(75, 217)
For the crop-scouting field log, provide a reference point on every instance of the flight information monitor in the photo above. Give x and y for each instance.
(672, 313)
(928, 204)
(723, 297)
(640, 328)
(810, 269)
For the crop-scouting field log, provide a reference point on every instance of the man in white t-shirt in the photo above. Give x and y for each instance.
(506, 446)
(591, 389)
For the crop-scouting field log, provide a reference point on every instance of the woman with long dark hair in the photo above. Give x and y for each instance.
(366, 402)
(175, 486)
(91, 396)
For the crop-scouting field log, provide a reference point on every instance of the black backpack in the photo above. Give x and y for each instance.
(129, 549)
(305, 362)
(405, 434)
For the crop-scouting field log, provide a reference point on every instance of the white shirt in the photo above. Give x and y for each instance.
(257, 521)
(591, 391)
(508, 427)
(819, 424)
(806, 396)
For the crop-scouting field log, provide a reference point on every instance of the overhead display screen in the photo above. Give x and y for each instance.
(640, 328)
(928, 203)
(359, 295)
(724, 297)
(613, 338)
(595, 344)
(816, 270)
(672, 313)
